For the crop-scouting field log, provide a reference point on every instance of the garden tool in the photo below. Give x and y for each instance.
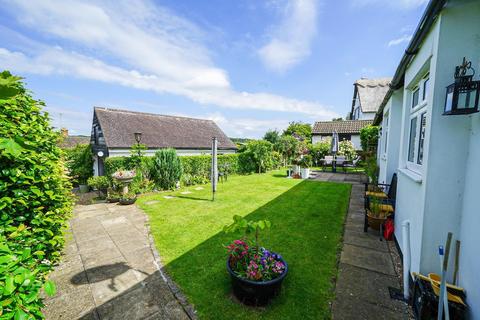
(442, 297)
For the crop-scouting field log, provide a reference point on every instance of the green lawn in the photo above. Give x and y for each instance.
(307, 218)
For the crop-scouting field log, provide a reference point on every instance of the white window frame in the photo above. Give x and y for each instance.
(386, 116)
(416, 111)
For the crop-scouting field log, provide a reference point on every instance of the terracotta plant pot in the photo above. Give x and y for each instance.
(375, 222)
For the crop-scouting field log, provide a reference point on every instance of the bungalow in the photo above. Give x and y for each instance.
(434, 152)
(115, 131)
(346, 129)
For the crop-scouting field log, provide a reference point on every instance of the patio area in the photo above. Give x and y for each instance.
(110, 270)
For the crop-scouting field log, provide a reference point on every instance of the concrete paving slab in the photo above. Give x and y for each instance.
(109, 270)
(368, 259)
(364, 239)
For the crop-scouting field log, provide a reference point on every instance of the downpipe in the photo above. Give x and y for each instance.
(406, 259)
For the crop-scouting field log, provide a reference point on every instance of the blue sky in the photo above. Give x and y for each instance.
(250, 65)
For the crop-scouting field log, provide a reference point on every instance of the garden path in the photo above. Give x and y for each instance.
(111, 270)
(367, 265)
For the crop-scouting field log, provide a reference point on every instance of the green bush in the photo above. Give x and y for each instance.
(257, 157)
(167, 169)
(99, 183)
(347, 149)
(369, 138)
(319, 150)
(79, 162)
(287, 146)
(35, 201)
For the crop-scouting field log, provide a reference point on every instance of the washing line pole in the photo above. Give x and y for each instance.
(214, 173)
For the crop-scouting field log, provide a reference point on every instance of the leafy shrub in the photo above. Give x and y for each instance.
(369, 138)
(299, 129)
(79, 162)
(347, 149)
(305, 161)
(167, 169)
(319, 150)
(99, 183)
(287, 146)
(256, 157)
(35, 201)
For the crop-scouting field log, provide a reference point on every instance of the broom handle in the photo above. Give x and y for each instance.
(457, 257)
(442, 297)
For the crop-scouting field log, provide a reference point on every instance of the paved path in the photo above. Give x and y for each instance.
(366, 268)
(110, 270)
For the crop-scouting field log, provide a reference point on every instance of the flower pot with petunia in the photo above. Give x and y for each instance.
(256, 273)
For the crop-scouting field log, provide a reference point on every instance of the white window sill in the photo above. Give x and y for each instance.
(411, 174)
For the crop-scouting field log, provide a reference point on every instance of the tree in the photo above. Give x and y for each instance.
(287, 146)
(319, 150)
(167, 169)
(369, 138)
(272, 136)
(79, 162)
(337, 119)
(299, 129)
(258, 156)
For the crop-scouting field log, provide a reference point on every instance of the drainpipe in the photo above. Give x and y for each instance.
(406, 258)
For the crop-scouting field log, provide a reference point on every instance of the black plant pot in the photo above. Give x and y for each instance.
(256, 293)
(126, 201)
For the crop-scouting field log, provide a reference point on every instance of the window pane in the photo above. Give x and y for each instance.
(415, 97)
(425, 89)
(413, 136)
(421, 138)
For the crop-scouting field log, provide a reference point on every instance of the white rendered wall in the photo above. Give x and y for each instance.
(180, 152)
(356, 141)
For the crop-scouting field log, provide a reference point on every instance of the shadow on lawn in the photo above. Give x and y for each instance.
(307, 222)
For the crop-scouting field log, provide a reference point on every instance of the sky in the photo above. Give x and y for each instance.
(249, 65)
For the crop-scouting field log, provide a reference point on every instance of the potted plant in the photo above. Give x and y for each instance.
(305, 164)
(375, 215)
(127, 198)
(113, 195)
(99, 183)
(256, 273)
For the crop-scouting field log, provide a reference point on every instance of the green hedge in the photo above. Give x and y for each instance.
(35, 201)
(196, 169)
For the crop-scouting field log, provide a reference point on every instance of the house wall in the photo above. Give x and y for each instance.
(355, 139)
(390, 156)
(456, 201)
(180, 152)
(442, 196)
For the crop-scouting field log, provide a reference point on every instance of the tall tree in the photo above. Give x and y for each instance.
(299, 129)
(272, 136)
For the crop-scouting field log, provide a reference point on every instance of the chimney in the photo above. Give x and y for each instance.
(64, 132)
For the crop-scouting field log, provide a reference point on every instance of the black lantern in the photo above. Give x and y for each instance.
(463, 94)
(138, 136)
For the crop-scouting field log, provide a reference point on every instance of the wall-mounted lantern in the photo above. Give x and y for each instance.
(138, 136)
(100, 154)
(463, 94)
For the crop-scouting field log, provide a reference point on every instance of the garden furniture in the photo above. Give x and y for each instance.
(351, 164)
(379, 197)
(327, 161)
(340, 162)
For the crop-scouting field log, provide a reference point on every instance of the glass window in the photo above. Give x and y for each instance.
(413, 136)
(425, 89)
(415, 95)
(421, 138)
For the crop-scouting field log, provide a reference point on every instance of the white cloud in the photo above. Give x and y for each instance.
(290, 41)
(147, 47)
(398, 4)
(400, 40)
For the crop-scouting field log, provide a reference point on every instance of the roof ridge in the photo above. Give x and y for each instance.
(147, 113)
(326, 121)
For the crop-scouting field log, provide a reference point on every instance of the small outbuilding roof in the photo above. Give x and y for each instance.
(344, 126)
(371, 92)
(73, 141)
(158, 131)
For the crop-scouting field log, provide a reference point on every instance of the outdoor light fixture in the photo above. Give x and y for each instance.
(138, 136)
(463, 94)
(100, 154)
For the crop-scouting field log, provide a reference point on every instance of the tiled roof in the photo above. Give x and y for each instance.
(371, 92)
(73, 141)
(345, 126)
(159, 131)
